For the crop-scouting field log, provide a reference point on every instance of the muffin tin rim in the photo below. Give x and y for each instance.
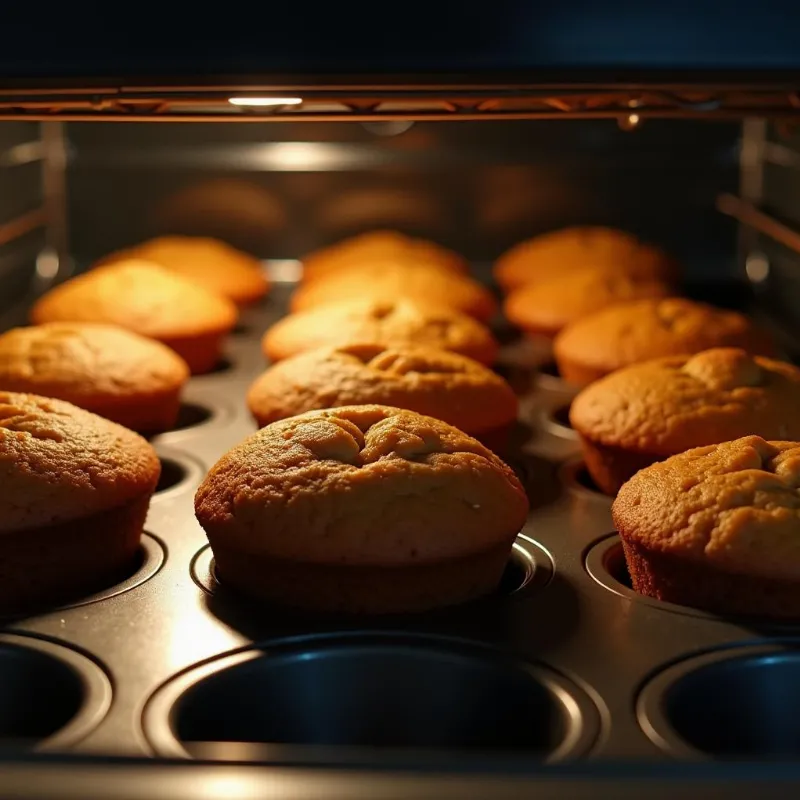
(548, 422)
(95, 683)
(594, 559)
(539, 569)
(585, 719)
(195, 471)
(649, 706)
(567, 474)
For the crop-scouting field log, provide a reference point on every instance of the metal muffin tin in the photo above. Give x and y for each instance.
(562, 662)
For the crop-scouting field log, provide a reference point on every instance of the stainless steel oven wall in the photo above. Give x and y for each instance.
(22, 215)
(774, 185)
(281, 189)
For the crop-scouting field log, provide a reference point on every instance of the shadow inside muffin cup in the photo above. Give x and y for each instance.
(403, 693)
(735, 703)
(190, 415)
(556, 421)
(51, 696)
(548, 377)
(223, 365)
(576, 477)
(173, 474)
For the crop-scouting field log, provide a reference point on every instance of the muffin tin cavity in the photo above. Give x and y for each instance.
(225, 364)
(576, 477)
(173, 474)
(178, 472)
(549, 378)
(370, 691)
(736, 703)
(605, 562)
(50, 696)
(148, 560)
(191, 415)
(556, 421)
(529, 566)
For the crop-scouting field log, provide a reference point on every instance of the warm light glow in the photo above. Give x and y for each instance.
(265, 101)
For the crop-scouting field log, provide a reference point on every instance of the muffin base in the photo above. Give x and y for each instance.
(576, 373)
(202, 353)
(687, 583)
(361, 589)
(149, 414)
(610, 467)
(49, 566)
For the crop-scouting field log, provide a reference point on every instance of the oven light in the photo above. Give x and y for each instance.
(265, 101)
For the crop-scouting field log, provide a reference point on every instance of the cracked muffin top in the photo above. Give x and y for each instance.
(59, 463)
(672, 404)
(81, 361)
(579, 248)
(368, 485)
(735, 505)
(639, 330)
(380, 245)
(140, 296)
(377, 322)
(443, 385)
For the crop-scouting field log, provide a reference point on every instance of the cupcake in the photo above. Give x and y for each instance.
(569, 250)
(628, 333)
(384, 323)
(379, 246)
(433, 382)
(717, 528)
(391, 280)
(209, 263)
(365, 509)
(548, 307)
(76, 489)
(108, 370)
(656, 409)
(149, 300)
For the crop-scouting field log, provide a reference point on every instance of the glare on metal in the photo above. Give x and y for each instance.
(265, 101)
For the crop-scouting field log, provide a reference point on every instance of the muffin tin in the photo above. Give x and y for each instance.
(562, 662)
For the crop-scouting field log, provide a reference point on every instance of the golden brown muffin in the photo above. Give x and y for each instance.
(649, 411)
(209, 263)
(383, 323)
(548, 307)
(639, 330)
(340, 211)
(433, 382)
(361, 509)
(390, 281)
(717, 528)
(569, 250)
(75, 493)
(380, 246)
(239, 211)
(148, 300)
(112, 372)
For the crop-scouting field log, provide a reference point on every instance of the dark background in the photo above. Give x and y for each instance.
(623, 37)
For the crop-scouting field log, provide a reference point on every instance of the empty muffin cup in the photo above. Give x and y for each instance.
(738, 703)
(371, 691)
(50, 696)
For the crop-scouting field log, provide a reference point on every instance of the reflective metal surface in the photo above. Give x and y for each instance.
(393, 692)
(734, 703)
